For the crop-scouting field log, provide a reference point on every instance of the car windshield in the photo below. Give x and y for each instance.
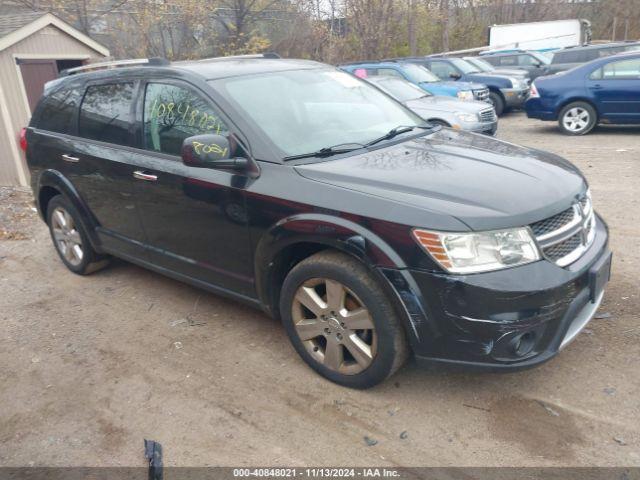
(304, 111)
(463, 66)
(419, 74)
(401, 90)
(481, 64)
(543, 58)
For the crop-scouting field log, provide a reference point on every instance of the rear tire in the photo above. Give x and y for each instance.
(577, 118)
(70, 238)
(498, 103)
(341, 322)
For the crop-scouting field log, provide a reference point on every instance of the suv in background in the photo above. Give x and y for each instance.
(304, 191)
(533, 62)
(504, 92)
(568, 58)
(485, 67)
(417, 75)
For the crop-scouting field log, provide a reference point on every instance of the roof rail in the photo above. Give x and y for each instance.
(151, 62)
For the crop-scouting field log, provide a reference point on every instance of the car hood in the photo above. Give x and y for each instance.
(446, 104)
(482, 182)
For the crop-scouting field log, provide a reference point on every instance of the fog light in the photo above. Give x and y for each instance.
(523, 344)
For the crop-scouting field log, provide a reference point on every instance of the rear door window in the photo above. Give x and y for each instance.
(625, 69)
(173, 113)
(105, 114)
(58, 111)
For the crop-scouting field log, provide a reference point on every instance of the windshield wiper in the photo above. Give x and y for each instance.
(328, 151)
(397, 131)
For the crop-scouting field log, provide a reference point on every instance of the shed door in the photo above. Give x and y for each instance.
(35, 73)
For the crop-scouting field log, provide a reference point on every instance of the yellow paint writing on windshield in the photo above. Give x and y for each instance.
(184, 114)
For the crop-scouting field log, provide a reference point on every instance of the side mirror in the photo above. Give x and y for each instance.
(210, 151)
(537, 65)
(455, 76)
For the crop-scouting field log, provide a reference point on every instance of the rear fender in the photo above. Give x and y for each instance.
(54, 179)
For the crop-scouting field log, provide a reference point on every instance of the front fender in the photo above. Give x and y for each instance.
(54, 179)
(341, 234)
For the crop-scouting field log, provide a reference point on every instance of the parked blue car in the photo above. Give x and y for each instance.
(419, 76)
(504, 91)
(606, 90)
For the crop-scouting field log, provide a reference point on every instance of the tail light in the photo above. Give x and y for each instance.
(533, 91)
(23, 139)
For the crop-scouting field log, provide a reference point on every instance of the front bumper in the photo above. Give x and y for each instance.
(504, 320)
(515, 97)
(486, 128)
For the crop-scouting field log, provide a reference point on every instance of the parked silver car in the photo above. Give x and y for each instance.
(471, 116)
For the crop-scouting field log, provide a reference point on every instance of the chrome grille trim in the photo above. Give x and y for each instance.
(573, 233)
(488, 115)
(481, 94)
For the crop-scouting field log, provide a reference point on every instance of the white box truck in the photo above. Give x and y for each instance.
(540, 35)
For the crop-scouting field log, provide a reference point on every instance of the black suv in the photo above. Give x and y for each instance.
(571, 57)
(533, 62)
(304, 191)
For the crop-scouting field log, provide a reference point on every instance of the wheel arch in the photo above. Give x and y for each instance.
(570, 100)
(439, 121)
(298, 237)
(52, 183)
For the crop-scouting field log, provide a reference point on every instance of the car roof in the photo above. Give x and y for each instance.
(596, 46)
(209, 69)
(215, 68)
(504, 54)
(385, 63)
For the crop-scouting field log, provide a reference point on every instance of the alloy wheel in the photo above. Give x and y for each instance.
(67, 238)
(334, 326)
(576, 119)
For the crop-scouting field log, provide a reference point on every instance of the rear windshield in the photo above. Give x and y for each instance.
(58, 110)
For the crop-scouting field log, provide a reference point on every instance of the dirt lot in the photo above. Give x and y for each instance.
(91, 366)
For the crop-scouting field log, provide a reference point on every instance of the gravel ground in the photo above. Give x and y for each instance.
(91, 366)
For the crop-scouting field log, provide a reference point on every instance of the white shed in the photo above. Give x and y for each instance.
(34, 48)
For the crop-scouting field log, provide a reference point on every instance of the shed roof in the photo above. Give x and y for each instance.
(15, 27)
(14, 21)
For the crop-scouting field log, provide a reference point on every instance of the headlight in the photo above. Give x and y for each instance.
(465, 95)
(479, 251)
(466, 117)
(517, 84)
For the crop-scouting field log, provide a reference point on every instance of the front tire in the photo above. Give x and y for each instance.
(70, 238)
(577, 118)
(341, 322)
(498, 103)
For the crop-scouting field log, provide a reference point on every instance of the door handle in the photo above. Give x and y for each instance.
(597, 86)
(69, 158)
(140, 175)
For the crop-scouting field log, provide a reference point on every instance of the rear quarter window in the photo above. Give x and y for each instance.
(58, 110)
(105, 114)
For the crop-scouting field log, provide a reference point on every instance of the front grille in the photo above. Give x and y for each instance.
(564, 237)
(551, 224)
(488, 115)
(481, 94)
(562, 249)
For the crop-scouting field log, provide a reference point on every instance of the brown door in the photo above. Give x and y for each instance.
(35, 73)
